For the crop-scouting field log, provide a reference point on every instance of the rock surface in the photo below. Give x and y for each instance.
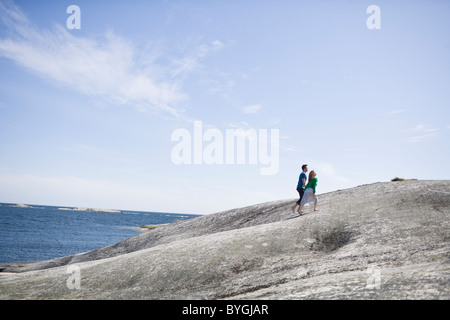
(386, 240)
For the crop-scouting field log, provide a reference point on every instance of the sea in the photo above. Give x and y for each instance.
(37, 232)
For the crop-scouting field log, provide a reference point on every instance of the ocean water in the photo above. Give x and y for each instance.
(46, 232)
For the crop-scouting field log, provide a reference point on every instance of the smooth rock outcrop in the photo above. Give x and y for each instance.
(386, 240)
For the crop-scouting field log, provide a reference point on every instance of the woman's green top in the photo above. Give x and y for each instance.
(312, 184)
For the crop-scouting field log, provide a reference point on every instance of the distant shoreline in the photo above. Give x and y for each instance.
(86, 209)
(91, 210)
(33, 232)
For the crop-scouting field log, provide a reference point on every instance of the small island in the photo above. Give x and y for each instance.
(91, 210)
(20, 205)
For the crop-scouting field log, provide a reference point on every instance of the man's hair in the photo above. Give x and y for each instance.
(304, 166)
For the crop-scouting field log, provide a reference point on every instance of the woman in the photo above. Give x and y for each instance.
(310, 192)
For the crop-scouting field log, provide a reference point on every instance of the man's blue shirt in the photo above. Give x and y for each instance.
(302, 176)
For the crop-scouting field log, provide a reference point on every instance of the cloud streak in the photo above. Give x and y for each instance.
(396, 111)
(422, 133)
(251, 109)
(184, 65)
(108, 66)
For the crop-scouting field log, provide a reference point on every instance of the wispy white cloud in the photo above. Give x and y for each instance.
(107, 66)
(217, 45)
(421, 133)
(252, 109)
(420, 138)
(285, 147)
(397, 111)
(184, 65)
(423, 128)
(242, 129)
(240, 125)
(274, 122)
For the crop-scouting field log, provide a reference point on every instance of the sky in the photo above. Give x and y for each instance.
(128, 104)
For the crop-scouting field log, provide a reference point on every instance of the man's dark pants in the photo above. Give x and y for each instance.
(300, 192)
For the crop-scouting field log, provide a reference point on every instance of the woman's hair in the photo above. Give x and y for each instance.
(312, 173)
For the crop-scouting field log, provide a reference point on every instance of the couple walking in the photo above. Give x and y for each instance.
(307, 191)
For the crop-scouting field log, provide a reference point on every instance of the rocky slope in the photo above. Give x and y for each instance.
(380, 241)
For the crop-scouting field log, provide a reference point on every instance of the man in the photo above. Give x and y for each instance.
(301, 185)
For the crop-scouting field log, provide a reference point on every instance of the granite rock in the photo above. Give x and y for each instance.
(387, 240)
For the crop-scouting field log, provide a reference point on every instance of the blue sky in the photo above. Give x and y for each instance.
(86, 115)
